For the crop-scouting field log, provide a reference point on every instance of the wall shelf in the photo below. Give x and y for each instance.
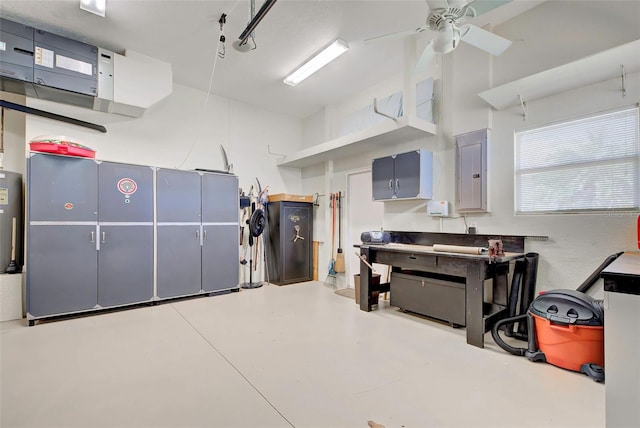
(595, 68)
(387, 133)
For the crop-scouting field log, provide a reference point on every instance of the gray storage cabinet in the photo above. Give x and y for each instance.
(403, 176)
(178, 225)
(220, 232)
(125, 216)
(289, 259)
(432, 297)
(90, 234)
(197, 230)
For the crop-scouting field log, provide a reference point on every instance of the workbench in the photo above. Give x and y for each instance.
(408, 251)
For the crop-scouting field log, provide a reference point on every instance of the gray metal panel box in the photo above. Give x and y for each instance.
(126, 192)
(125, 261)
(471, 171)
(65, 64)
(62, 273)
(290, 258)
(11, 203)
(178, 196)
(179, 260)
(62, 188)
(220, 198)
(219, 258)
(16, 51)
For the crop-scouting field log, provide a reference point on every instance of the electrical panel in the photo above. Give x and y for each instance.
(471, 171)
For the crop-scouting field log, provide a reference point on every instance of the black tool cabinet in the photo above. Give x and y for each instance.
(289, 242)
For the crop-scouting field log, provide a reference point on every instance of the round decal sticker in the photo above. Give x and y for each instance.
(127, 186)
(68, 206)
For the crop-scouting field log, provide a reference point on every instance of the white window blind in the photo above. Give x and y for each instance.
(590, 164)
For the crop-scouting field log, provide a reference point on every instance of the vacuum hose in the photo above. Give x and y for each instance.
(501, 343)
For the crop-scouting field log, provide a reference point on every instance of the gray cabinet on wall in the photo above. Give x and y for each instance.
(403, 176)
(90, 234)
(197, 230)
(290, 240)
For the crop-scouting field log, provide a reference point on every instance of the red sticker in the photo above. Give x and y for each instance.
(68, 206)
(127, 186)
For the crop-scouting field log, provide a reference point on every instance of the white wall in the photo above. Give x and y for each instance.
(547, 36)
(179, 132)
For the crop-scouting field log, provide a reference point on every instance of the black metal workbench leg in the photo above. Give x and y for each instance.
(475, 298)
(365, 282)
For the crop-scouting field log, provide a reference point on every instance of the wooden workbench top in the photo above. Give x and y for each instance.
(428, 249)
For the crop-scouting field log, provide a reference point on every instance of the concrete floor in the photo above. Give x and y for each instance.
(298, 355)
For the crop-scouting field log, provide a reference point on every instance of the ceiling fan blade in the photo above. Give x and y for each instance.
(485, 40)
(438, 4)
(392, 36)
(484, 6)
(427, 55)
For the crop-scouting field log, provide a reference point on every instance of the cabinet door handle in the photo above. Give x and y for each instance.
(397, 183)
(391, 184)
(204, 234)
(197, 234)
(92, 236)
(104, 237)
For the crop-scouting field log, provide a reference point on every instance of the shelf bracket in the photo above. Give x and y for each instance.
(275, 154)
(375, 110)
(623, 78)
(523, 104)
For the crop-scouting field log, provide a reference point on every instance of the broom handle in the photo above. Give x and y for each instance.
(333, 223)
(13, 239)
(339, 222)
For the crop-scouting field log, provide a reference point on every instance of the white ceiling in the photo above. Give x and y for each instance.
(185, 33)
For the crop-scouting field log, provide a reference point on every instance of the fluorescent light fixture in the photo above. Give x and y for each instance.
(324, 57)
(99, 7)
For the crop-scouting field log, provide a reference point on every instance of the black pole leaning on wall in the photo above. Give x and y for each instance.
(49, 115)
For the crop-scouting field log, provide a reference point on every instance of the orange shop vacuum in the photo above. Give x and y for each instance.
(565, 328)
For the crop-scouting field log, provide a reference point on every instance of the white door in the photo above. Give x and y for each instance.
(362, 214)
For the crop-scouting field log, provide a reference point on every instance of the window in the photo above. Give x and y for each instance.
(589, 164)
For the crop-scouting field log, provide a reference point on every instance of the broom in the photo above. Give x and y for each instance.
(13, 266)
(339, 266)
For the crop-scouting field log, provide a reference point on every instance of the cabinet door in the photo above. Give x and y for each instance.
(407, 175)
(220, 262)
(178, 196)
(296, 221)
(62, 274)
(179, 260)
(125, 265)
(383, 178)
(220, 201)
(125, 193)
(62, 188)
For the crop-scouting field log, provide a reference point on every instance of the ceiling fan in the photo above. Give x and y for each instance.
(447, 18)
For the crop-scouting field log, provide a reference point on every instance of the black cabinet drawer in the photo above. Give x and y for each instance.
(431, 297)
(415, 261)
